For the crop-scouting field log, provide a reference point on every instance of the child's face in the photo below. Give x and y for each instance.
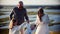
(15, 23)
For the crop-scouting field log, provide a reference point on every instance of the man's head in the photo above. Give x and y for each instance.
(20, 4)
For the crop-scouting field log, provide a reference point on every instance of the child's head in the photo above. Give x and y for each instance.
(13, 20)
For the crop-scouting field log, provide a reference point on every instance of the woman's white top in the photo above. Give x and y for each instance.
(45, 20)
(42, 27)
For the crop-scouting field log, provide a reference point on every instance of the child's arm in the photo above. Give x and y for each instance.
(11, 25)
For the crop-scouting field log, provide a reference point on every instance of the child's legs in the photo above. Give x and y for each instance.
(9, 31)
(13, 30)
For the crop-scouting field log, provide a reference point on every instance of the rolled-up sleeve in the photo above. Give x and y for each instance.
(11, 15)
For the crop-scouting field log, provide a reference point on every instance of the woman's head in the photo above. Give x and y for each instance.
(40, 13)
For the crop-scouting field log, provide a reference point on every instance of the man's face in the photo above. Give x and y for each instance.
(20, 5)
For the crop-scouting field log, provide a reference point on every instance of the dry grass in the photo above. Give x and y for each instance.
(4, 19)
(5, 31)
(51, 32)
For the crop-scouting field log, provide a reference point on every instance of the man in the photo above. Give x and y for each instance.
(19, 14)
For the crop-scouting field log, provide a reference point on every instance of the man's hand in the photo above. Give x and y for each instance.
(27, 21)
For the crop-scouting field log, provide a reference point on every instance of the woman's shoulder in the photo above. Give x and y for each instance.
(46, 14)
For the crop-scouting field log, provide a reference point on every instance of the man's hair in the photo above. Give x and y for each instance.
(21, 2)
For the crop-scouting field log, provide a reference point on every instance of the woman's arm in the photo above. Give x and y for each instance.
(37, 21)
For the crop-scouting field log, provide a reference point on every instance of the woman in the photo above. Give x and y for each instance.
(42, 23)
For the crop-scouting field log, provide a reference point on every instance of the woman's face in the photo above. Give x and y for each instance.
(40, 14)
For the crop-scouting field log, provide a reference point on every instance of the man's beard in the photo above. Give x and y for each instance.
(21, 7)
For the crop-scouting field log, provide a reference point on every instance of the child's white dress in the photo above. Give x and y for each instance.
(42, 27)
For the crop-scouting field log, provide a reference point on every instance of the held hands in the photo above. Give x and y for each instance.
(40, 23)
(27, 21)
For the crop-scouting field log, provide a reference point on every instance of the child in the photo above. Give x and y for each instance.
(12, 26)
(13, 23)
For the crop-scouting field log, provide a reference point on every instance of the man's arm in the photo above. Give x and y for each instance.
(11, 15)
(26, 17)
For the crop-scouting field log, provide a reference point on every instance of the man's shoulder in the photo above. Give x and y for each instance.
(15, 7)
(24, 8)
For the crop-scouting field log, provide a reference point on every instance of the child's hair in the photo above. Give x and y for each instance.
(13, 20)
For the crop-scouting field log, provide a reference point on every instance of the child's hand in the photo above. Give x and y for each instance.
(11, 28)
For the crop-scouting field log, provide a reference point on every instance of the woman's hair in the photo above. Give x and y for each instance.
(40, 11)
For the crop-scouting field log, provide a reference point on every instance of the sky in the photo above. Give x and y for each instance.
(30, 2)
